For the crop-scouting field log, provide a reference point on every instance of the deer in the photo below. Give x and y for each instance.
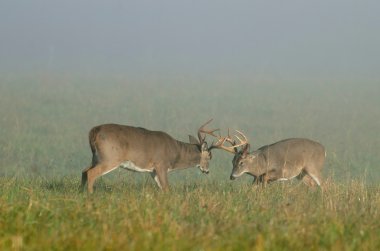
(141, 150)
(284, 160)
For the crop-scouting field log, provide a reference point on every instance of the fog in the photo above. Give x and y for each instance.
(272, 69)
(278, 40)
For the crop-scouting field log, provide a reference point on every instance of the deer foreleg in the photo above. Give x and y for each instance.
(161, 178)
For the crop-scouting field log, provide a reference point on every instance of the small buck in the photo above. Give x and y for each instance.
(283, 160)
(141, 150)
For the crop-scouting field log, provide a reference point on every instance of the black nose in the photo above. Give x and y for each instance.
(206, 172)
(232, 177)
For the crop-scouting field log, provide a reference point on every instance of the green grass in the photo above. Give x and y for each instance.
(50, 214)
(44, 121)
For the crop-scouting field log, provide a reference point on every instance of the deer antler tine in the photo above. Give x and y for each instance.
(221, 140)
(210, 131)
(245, 138)
(229, 139)
(242, 142)
(220, 145)
(203, 130)
(208, 122)
(239, 139)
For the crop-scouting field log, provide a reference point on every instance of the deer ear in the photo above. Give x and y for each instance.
(193, 140)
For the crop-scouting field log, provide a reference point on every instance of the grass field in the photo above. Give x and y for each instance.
(44, 121)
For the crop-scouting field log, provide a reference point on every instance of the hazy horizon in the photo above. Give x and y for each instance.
(263, 39)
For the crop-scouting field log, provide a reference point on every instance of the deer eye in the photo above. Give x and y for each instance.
(241, 163)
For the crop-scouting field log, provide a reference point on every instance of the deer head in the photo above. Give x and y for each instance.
(203, 146)
(242, 156)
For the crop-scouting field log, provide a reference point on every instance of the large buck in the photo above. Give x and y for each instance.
(142, 150)
(283, 160)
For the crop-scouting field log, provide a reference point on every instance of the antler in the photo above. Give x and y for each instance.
(221, 140)
(220, 144)
(203, 130)
(242, 142)
(232, 149)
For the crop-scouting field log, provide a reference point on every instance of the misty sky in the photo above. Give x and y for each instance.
(327, 39)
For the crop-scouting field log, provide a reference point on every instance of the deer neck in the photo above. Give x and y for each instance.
(189, 155)
(260, 164)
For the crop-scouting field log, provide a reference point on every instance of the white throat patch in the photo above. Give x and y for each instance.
(238, 175)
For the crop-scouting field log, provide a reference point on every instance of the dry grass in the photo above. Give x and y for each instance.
(42, 214)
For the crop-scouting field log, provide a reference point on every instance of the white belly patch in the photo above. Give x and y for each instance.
(282, 179)
(131, 166)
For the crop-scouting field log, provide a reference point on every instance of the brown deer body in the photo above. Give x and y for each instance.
(284, 160)
(142, 150)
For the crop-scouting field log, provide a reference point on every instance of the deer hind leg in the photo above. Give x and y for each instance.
(95, 172)
(308, 180)
(84, 177)
(312, 177)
